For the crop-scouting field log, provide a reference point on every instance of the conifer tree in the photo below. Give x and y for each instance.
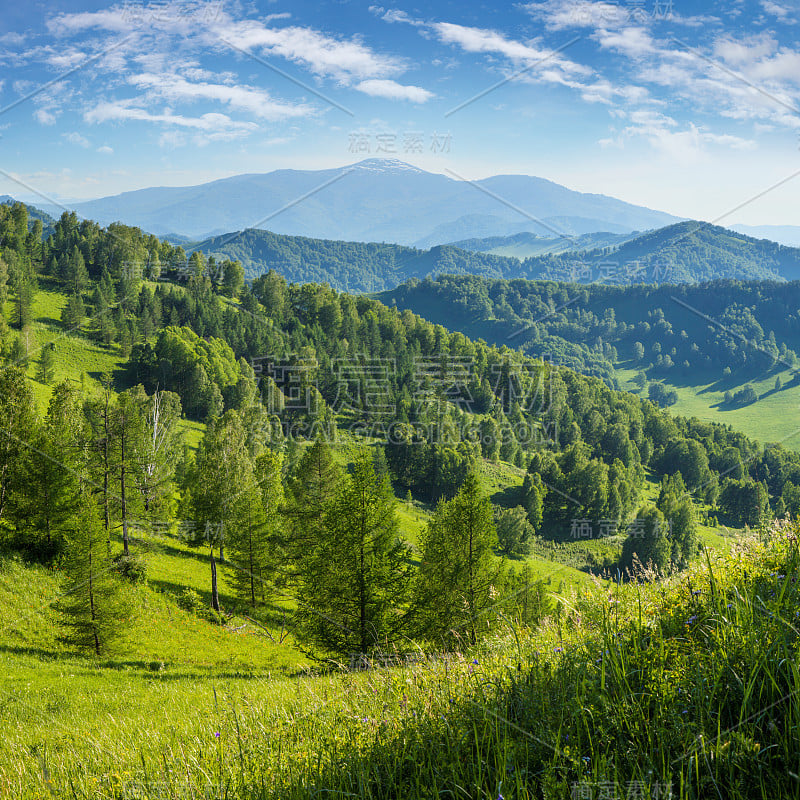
(128, 433)
(46, 369)
(18, 421)
(92, 607)
(310, 493)
(458, 572)
(48, 499)
(98, 414)
(223, 485)
(354, 586)
(253, 541)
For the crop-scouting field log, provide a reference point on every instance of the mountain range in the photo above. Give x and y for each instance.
(377, 200)
(686, 252)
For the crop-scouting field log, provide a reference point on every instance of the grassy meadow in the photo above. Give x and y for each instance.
(689, 684)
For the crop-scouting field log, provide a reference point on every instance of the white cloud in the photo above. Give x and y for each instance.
(12, 38)
(562, 14)
(781, 12)
(344, 60)
(480, 40)
(631, 42)
(207, 26)
(213, 127)
(255, 101)
(105, 150)
(44, 116)
(76, 138)
(684, 144)
(392, 90)
(395, 15)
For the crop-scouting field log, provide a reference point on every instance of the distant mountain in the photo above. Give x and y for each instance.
(783, 234)
(689, 252)
(526, 244)
(380, 200)
(349, 266)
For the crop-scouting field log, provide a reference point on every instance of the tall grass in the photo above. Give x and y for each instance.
(685, 687)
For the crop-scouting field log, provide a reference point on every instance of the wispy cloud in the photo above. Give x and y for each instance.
(211, 126)
(344, 60)
(257, 102)
(392, 90)
(76, 138)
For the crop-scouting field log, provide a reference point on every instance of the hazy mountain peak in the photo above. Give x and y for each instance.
(386, 165)
(382, 199)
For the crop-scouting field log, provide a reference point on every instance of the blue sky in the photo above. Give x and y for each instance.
(691, 108)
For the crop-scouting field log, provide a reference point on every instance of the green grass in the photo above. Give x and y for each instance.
(693, 680)
(772, 418)
(192, 709)
(77, 359)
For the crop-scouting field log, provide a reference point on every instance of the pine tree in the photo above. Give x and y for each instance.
(46, 370)
(218, 503)
(310, 492)
(128, 433)
(458, 572)
(18, 355)
(48, 498)
(92, 608)
(353, 589)
(74, 313)
(98, 414)
(252, 542)
(18, 421)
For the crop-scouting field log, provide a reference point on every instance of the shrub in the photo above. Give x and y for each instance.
(133, 568)
(189, 600)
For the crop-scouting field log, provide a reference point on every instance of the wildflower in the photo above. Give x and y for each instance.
(559, 649)
(216, 734)
(696, 592)
(691, 619)
(475, 661)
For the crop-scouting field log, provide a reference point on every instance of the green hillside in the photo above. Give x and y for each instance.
(684, 253)
(280, 541)
(705, 342)
(687, 252)
(525, 245)
(694, 675)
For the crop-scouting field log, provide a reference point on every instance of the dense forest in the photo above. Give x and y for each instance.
(688, 252)
(280, 373)
(348, 266)
(682, 331)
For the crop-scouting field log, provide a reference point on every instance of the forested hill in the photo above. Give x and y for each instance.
(685, 253)
(524, 245)
(33, 214)
(280, 362)
(348, 266)
(676, 332)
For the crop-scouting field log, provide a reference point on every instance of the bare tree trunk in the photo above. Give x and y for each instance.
(122, 494)
(214, 592)
(106, 441)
